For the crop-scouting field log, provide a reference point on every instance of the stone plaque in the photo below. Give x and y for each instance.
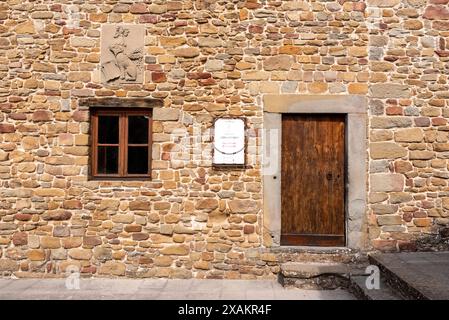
(122, 51)
(229, 141)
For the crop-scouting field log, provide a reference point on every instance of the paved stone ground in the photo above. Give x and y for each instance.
(42, 289)
(426, 272)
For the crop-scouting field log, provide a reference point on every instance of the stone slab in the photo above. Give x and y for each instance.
(312, 269)
(422, 275)
(144, 289)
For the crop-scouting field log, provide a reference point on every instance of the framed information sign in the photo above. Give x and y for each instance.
(229, 142)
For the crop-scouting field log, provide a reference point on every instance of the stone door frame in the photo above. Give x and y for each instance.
(355, 108)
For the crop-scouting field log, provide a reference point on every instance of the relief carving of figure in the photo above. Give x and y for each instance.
(126, 64)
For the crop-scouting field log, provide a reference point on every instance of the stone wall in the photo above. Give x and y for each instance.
(408, 121)
(204, 59)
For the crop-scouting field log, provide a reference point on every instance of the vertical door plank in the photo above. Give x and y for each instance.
(313, 180)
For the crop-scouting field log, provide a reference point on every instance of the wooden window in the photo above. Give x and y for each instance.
(121, 143)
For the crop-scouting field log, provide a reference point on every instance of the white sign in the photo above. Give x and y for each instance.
(229, 142)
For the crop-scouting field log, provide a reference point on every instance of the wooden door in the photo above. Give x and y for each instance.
(313, 180)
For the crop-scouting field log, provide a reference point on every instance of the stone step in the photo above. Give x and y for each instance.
(359, 289)
(416, 276)
(317, 254)
(314, 275)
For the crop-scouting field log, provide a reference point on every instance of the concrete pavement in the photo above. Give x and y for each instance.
(161, 289)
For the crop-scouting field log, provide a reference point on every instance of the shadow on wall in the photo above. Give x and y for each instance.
(434, 242)
(438, 241)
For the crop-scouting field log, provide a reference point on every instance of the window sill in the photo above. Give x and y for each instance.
(124, 179)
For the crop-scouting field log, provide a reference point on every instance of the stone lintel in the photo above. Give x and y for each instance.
(120, 103)
(291, 103)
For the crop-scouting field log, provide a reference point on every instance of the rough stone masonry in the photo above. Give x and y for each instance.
(204, 59)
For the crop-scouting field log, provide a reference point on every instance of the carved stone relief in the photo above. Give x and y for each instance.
(122, 52)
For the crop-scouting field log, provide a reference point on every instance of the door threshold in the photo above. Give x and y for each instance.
(311, 249)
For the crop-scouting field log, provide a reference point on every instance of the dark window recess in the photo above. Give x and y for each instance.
(108, 129)
(138, 129)
(107, 160)
(137, 160)
(121, 143)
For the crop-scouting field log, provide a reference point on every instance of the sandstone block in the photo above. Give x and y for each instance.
(386, 182)
(114, 268)
(123, 218)
(108, 204)
(390, 122)
(56, 215)
(36, 255)
(163, 261)
(61, 231)
(8, 265)
(384, 208)
(25, 28)
(180, 250)
(210, 204)
(82, 42)
(187, 52)
(243, 206)
(80, 254)
(50, 243)
(389, 220)
(279, 62)
(408, 135)
(386, 150)
(421, 155)
(74, 242)
(383, 3)
(166, 114)
(389, 90)
(102, 254)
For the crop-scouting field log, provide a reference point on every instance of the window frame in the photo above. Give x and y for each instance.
(123, 114)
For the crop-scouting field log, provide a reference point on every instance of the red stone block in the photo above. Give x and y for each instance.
(406, 245)
(439, 121)
(153, 67)
(89, 269)
(422, 122)
(252, 4)
(385, 245)
(81, 116)
(140, 236)
(441, 25)
(148, 18)
(20, 238)
(393, 111)
(207, 82)
(247, 229)
(198, 75)
(56, 8)
(359, 6)
(42, 115)
(407, 216)
(158, 77)
(7, 128)
(138, 8)
(23, 217)
(436, 13)
(255, 29)
(18, 116)
(420, 214)
(91, 241)
(439, 1)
